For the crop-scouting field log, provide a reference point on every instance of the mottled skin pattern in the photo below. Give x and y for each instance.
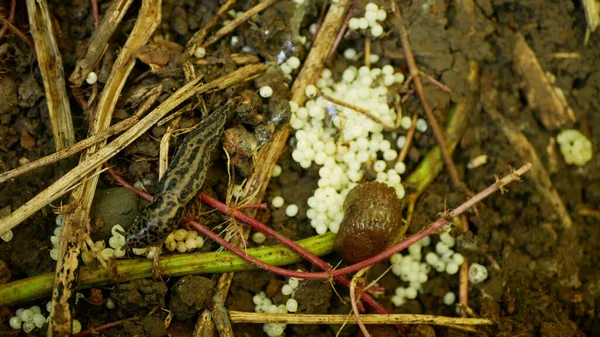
(182, 181)
(372, 222)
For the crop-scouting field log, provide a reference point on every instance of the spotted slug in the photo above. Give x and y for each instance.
(372, 222)
(180, 183)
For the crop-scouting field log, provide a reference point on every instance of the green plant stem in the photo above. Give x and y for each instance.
(220, 262)
(174, 265)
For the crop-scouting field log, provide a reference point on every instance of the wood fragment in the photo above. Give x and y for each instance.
(51, 69)
(552, 110)
(255, 317)
(99, 41)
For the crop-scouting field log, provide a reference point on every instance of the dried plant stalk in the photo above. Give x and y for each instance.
(255, 317)
(71, 150)
(553, 110)
(51, 69)
(99, 41)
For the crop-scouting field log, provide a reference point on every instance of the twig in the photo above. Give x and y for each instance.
(239, 59)
(51, 69)
(198, 38)
(8, 23)
(65, 153)
(320, 20)
(256, 317)
(354, 301)
(103, 327)
(95, 13)
(238, 21)
(11, 15)
(57, 189)
(436, 82)
(358, 109)
(99, 41)
(340, 33)
(398, 23)
(433, 227)
(409, 138)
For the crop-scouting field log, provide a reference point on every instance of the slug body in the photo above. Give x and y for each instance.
(372, 222)
(180, 184)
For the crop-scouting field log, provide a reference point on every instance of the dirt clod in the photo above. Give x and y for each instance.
(189, 295)
(139, 296)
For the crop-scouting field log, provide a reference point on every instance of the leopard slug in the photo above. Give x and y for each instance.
(372, 222)
(181, 182)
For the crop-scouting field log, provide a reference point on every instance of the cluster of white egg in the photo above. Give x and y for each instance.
(343, 141)
(181, 240)
(410, 268)
(54, 239)
(115, 249)
(373, 16)
(32, 318)
(265, 305)
(575, 147)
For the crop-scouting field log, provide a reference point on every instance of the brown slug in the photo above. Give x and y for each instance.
(372, 222)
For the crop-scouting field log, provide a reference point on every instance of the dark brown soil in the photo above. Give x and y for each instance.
(544, 280)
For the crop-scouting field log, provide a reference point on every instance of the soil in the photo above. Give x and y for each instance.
(543, 278)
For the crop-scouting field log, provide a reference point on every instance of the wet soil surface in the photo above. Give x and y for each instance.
(544, 279)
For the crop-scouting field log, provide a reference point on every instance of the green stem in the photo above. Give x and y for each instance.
(174, 265)
(219, 262)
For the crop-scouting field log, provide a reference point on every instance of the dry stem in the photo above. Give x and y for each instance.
(11, 15)
(51, 69)
(554, 111)
(238, 21)
(358, 109)
(398, 24)
(255, 317)
(71, 150)
(409, 137)
(358, 277)
(99, 41)
(198, 38)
